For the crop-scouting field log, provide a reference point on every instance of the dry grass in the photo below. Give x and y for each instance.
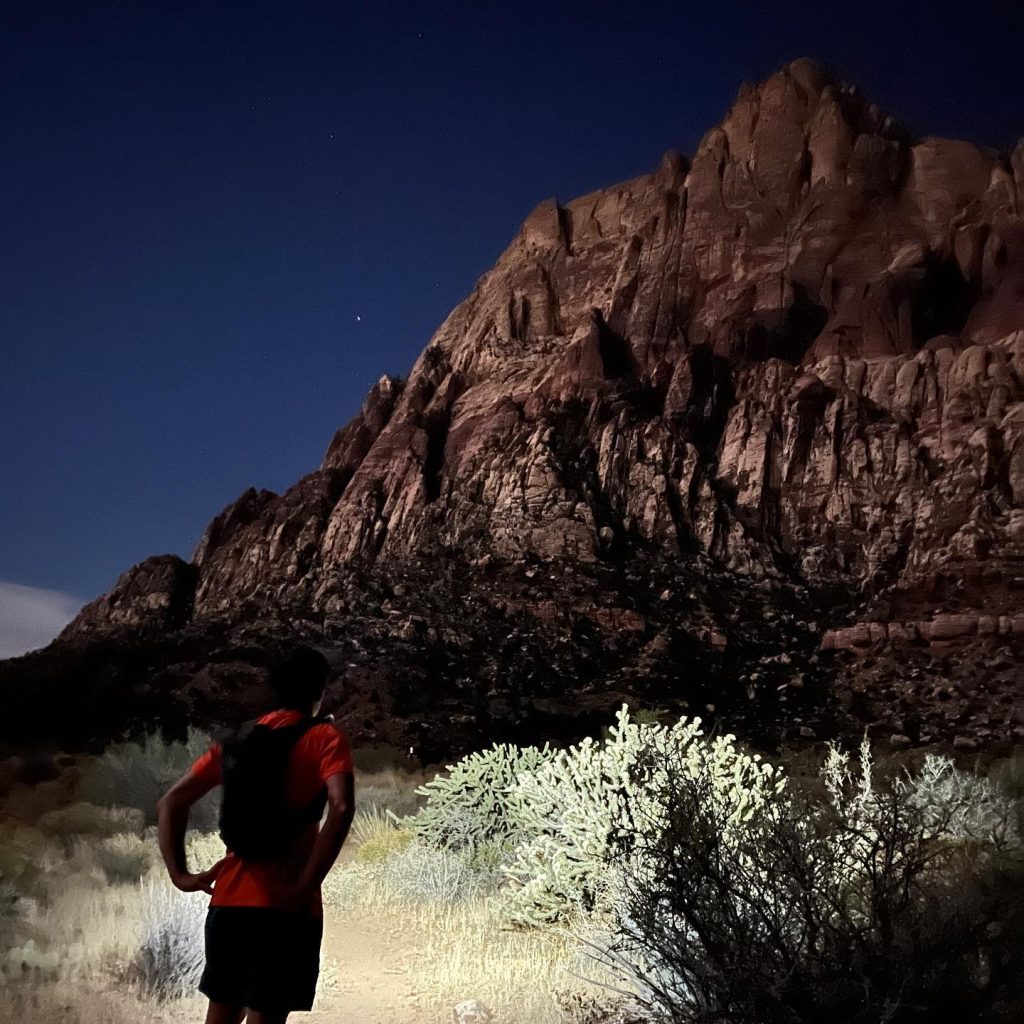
(70, 951)
(375, 837)
(458, 945)
(450, 953)
(76, 874)
(371, 824)
(517, 974)
(463, 951)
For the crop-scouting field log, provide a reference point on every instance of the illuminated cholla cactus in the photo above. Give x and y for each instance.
(574, 807)
(468, 808)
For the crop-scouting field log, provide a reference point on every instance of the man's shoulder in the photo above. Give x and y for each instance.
(327, 731)
(314, 737)
(285, 718)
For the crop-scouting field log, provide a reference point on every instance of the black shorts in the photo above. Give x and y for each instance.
(261, 958)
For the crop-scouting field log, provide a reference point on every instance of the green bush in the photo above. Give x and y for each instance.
(544, 820)
(377, 836)
(383, 845)
(728, 893)
(492, 856)
(469, 806)
(381, 848)
(370, 823)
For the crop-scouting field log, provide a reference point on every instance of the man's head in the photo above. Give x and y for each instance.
(298, 679)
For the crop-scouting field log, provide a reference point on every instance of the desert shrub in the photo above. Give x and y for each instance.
(137, 774)
(492, 856)
(371, 823)
(351, 886)
(93, 925)
(416, 875)
(381, 847)
(469, 805)
(577, 809)
(122, 858)
(862, 906)
(650, 716)
(964, 805)
(378, 837)
(203, 849)
(87, 819)
(169, 959)
(29, 959)
(424, 874)
(28, 859)
(583, 1007)
(544, 820)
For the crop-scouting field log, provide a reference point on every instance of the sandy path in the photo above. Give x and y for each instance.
(374, 983)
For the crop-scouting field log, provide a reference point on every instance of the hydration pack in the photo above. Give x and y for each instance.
(256, 820)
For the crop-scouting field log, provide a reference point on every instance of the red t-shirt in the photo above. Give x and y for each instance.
(320, 752)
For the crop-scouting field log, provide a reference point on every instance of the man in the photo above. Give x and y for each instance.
(265, 922)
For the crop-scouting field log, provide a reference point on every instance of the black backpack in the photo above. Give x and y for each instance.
(256, 821)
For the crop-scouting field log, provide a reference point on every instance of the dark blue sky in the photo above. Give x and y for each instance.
(197, 199)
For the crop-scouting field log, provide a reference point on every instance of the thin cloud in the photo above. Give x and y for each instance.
(31, 617)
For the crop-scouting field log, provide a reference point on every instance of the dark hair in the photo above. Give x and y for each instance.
(298, 678)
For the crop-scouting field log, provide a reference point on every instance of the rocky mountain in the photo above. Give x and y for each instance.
(745, 435)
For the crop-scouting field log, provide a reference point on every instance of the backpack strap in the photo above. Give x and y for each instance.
(231, 735)
(237, 735)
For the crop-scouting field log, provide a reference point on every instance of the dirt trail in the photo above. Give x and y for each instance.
(374, 983)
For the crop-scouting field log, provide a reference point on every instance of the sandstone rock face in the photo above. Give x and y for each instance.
(800, 355)
(157, 593)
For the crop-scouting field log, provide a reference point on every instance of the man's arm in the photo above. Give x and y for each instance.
(341, 808)
(172, 821)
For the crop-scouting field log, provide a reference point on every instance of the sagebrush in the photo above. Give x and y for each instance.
(169, 960)
(865, 906)
(137, 774)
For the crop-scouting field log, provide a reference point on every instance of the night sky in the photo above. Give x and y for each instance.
(221, 222)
